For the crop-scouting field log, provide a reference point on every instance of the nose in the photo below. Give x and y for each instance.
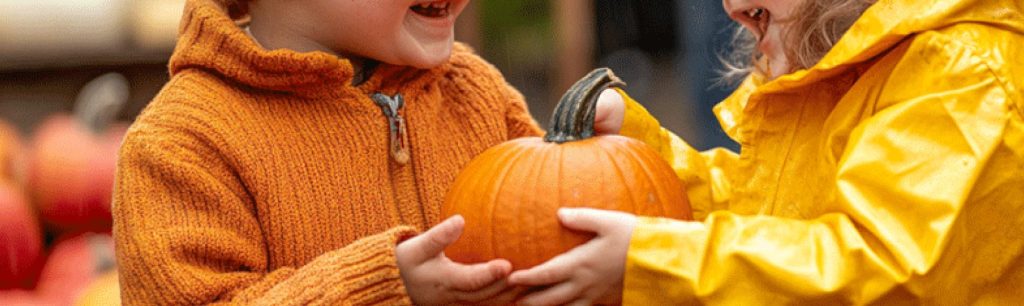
(728, 5)
(731, 7)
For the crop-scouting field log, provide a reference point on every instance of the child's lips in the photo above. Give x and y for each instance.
(434, 9)
(434, 18)
(762, 19)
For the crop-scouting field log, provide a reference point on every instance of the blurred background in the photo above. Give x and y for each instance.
(74, 74)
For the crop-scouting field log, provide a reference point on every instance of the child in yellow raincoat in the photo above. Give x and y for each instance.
(885, 167)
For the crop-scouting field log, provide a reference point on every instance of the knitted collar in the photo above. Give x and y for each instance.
(210, 40)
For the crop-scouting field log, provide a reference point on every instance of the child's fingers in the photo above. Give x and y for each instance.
(590, 220)
(580, 302)
(432, 242)
(478, 276)
(507, 297)
(556, 270)
(556, 295)
(486, 293)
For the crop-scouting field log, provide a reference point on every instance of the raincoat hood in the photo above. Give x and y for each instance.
(884, 25)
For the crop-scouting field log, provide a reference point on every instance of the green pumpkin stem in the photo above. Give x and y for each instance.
(573, 118)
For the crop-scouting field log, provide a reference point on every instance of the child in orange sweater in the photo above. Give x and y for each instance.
(292, 159)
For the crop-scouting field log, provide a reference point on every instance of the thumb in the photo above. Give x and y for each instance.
(611, 111)
(432, 242)
(589, 220)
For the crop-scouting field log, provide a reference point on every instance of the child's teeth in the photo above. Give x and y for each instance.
(438, 8)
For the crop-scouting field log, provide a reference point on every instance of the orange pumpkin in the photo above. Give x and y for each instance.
(509, 194)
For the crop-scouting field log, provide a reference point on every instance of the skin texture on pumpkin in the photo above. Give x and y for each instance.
(510, 194)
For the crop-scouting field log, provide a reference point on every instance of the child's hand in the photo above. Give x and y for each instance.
(591, 273)
(432, 279)
(610, 112)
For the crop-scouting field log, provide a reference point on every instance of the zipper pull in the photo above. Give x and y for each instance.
(399, 139)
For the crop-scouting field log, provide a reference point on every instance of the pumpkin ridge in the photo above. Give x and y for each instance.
(618, 171)
(558, 175)
(481, 179)
(534, 226)
(647, 173)
(512, 159)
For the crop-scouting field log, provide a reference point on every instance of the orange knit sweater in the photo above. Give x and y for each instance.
(259, 177)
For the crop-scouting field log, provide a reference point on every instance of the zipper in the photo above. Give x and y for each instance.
(398, 147)
(399, 139)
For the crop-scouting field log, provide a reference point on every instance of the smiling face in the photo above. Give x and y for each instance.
(769, 21)
(416, 33)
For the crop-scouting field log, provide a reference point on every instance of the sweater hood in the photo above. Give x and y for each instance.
(210, 40)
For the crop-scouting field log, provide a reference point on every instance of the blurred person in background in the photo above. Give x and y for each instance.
(299, 149)
(882, 163)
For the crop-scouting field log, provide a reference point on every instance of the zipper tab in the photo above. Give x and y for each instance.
(399, 139)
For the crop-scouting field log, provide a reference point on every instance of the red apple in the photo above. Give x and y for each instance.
(74, 264)
(21, 242)
(73, 158)
(72, 173)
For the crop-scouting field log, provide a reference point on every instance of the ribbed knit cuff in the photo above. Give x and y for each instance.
(369, 270)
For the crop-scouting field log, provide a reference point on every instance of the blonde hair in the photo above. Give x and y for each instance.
(816, 27)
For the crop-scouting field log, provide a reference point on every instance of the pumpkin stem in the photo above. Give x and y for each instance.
(573, 118)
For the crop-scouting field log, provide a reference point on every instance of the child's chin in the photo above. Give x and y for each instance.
(430, 59)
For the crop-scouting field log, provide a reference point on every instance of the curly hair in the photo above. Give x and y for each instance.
(816, 27)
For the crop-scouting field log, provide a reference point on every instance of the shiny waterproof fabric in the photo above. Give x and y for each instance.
(892, 172)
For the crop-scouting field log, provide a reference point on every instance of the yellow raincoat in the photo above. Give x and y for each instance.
(892, 172)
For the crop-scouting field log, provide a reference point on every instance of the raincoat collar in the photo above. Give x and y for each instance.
(884, 25)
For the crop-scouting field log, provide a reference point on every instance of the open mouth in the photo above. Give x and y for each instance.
(435, 9)
(760, 18)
